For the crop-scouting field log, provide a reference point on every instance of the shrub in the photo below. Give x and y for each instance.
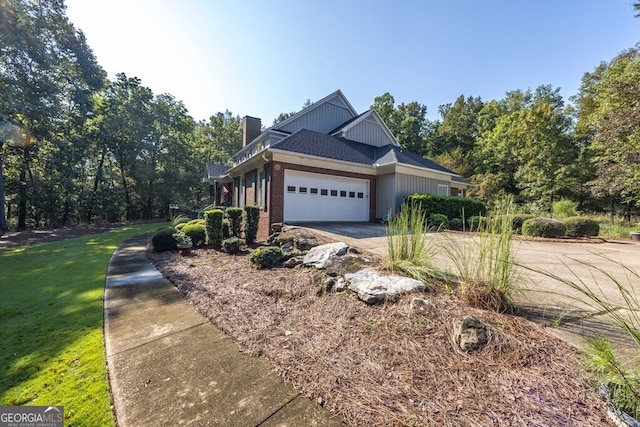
(235, 221)
(213, 226)
(456, 224)
(543, 227)
(195, 230)
(226, 229)
(438, 221)
(266, 256)
(163, 240)
(476, 222)
(564, 208)
(179, 220)
(251, 219)
(518, 220)
(451, 206)
(581, 227)
(232, 245)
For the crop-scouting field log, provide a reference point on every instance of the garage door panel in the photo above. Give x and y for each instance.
(316, 197)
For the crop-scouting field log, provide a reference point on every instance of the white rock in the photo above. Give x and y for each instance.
(373, 288)
(319, 255)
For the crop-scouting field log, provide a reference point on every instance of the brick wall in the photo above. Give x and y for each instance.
(276, 208)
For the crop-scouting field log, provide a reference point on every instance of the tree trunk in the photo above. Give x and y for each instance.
(96, 182)
(3, 218)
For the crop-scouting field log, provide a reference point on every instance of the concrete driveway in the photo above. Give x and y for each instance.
(542, 299)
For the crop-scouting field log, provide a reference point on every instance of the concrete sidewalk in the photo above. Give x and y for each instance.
(169, 366)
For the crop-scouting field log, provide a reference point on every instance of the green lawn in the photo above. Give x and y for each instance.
(51, 325)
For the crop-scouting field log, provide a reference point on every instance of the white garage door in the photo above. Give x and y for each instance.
(315, 197)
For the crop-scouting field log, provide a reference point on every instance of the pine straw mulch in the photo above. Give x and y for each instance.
(386, 365)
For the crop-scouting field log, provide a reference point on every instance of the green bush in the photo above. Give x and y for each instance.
(213, 226)
(451, 206)
(232, 245)
(578, 226)
(456, 224)
(517, 220)
(564, 208)
(267, 256)
(196, 230)
(235, 221)
(163, 240)
(226, 229)
(543, 227)
(251, 220)
(476, 222)
(438, 221)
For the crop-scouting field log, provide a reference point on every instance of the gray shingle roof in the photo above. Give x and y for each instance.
(322, 145)
(216, 171)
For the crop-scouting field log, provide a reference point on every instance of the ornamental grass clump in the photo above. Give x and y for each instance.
(622, 307)
(484, 263)
(406, 248)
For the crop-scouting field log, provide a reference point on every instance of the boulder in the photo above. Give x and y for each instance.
(305, 242)
(319, 255)
(422, 305)
(373, 288)
(469, 334)
(293, 262)
(276, 227)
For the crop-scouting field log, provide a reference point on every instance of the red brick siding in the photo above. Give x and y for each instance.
(276, 208)
(264, 228)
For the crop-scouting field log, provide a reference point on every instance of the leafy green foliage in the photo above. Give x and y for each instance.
(195, 229)
(476, 222)
(235, 221)
(517, 220)
(564, 209)
(213, 226)
(232, 245)
(163, 240)
(251, 221)
(456, 224)
(451, 207)
(267, 256)
(579, 226)
(226, 228)
(438, 221)
(543, 227)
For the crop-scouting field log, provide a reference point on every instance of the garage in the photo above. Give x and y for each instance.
(312, 197)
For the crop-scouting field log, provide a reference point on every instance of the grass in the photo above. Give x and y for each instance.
(623, 310)
(484, 264)
(407, 250)
(51, 325)
(618, 228)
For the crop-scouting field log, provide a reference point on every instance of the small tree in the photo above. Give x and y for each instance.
(213, 226)
(251, 219)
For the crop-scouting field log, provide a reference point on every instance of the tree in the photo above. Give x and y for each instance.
(458, 128)
(609, 104)
(220, 137)
(407, 122)
(46, 75)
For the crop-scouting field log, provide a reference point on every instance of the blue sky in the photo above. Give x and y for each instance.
(261, 58)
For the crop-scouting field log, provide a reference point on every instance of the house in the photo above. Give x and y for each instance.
(326, 163)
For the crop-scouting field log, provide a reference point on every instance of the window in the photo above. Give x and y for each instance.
(352, 194)
(443, 190)
(360, 196)
(334, 192)
(291, 189)
(302, 190)
(314, 191)
(324, 192)
(343, 193)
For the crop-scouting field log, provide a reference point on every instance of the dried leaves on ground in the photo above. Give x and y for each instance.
(387, 365)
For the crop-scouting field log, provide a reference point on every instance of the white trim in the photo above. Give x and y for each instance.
(446, 188)
(377, 119)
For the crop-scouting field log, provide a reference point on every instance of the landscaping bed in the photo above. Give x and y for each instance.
(387, 364)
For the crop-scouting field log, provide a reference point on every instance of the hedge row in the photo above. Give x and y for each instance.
(451, 206)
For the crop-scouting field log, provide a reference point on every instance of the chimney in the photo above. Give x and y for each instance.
(251, 129)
